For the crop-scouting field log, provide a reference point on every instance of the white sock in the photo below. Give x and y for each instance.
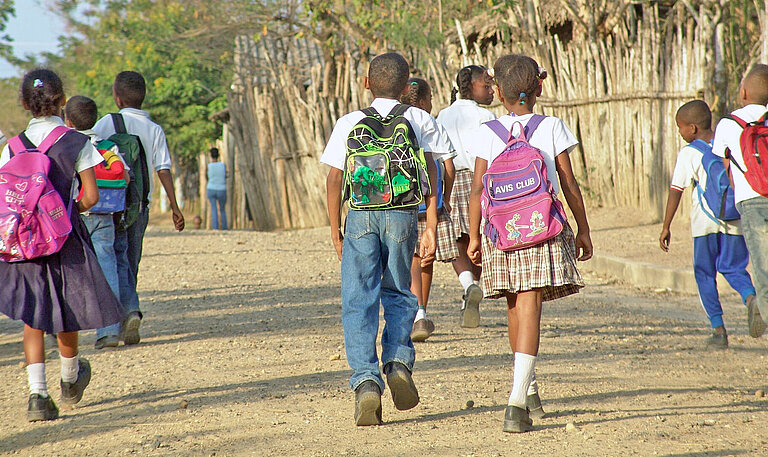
(476, 282)
(466, 279)
(36, 379)
(534, 387)
(69, 368)
(420, 314)
(524, 366)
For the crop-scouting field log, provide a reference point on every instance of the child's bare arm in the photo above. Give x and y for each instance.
(673, 201)
(333, 198)
(429, 237)
(90, 190)
(473, 249)
(167, 181)
(450, 177)
(572, 194)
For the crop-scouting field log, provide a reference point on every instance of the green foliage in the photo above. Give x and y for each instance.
(6, 11)
(13, 118)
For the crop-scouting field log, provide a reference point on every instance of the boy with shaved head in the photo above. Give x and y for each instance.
(717, 245)
(379, 237)
(753, 207)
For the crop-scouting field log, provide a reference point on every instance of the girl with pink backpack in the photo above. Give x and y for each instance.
(527, 247)
(51, 278)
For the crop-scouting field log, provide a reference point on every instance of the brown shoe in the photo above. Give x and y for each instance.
(368, 404)
(533, 403)
(422, 329)
(516, 420)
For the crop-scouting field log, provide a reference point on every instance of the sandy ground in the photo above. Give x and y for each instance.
(242, 354)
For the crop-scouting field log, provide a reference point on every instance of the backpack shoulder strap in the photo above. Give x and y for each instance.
(533, 124)
(398, 110)
(19, 143)
(742, 123)
(52, 138)
(118, 122)
(371, 112)
(701, 146)
(498, 128)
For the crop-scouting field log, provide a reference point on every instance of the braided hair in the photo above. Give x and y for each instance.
(518, 77)
(42, 93)
(464, 81)
(417, 90)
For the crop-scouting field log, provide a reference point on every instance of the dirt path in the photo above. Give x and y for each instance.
(242, 354)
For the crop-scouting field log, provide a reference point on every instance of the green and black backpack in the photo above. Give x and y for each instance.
(137, 194)
(385, 167)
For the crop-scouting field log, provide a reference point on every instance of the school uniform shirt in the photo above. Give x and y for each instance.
(728, 136)
(40, 127)
(461, 120)
(689, 172)
(424, 126)
(552, 137)
(152, 136)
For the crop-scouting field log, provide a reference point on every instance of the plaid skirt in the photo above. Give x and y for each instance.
(447, 250)
(460, 201)
(550, 266)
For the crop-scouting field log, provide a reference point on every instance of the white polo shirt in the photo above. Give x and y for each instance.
(552, 137)
(137, 122)
(689, 172)
(424, 126)
(728, 135)
(460, 120)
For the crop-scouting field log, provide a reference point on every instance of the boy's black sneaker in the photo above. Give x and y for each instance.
(404, 393)
(533, 403)
(470, 312)
(368, 404)
(41, 408)
(516, 420)
(717, 341)
(72, 392)
(756, 323)
(109, 341)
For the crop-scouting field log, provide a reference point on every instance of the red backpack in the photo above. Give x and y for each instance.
(754, 149)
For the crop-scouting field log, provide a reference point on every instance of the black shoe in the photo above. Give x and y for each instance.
(470, 313)
(41, 408)
(717, 341)
(404, 393)
(368, 404)
(516, 420)
(109, 341)
(756, 323)
(72, 392)
(533, 403)
(130, 328)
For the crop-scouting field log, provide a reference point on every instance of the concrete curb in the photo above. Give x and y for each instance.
(642, 274)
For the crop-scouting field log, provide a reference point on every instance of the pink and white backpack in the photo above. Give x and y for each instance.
(519, 205)
(34, 222)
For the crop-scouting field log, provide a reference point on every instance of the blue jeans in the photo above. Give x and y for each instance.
(135, 243)
(218, 197)
(754, 225)
(728, 255)
(375, 268)
(101, 227)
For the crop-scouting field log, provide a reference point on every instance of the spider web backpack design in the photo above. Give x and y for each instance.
(34, 222)
(385, 167)
(518, 202)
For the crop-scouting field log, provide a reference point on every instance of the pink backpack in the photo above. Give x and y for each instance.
(519, 205)
(34, 222)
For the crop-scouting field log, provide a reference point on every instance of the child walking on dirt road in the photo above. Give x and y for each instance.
(65, 291)
(378, 156)
(525, 276)
(717, 244)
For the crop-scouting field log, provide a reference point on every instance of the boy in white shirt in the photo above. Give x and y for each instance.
(376, 251)
(461, 120)
(753, 207)
(129, 91)
(717, 245)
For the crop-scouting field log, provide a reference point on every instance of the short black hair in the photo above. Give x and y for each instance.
(42, 92)
(214, 153)
(756, 83)
(82, 112)
(696, 112)
(131, 88)
(388, 75)
(517, 76)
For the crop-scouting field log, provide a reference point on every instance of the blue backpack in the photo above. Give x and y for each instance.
(423, 205)
(718, 192)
